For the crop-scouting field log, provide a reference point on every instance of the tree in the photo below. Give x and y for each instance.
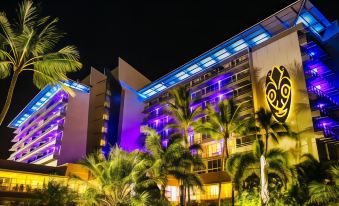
(55, 194)
(223, 122)
(327, 191)
(174, 159)
(184, 115)
(242, 166)
(28, 44)
(116, 180)
(269, 128)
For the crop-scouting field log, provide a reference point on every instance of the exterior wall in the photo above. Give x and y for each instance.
(131, 116)
(285, 51)
(73, 142)
(97, 81)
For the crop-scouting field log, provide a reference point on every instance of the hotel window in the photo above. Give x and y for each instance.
(199, 170)
(104, 130)
(105, 117)
(102, 142)
(214, 149)
(214, 165)
(172, 193)
(205, 136)
(213, 190)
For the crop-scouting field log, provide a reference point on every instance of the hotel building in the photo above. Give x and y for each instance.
(291, 50)
(50, 130)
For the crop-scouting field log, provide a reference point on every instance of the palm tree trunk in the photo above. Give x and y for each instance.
(9, 96)
(224, 156)
(163, 191)
(188, 195)
(182, 195)
(233, 188)
(264, 181)
(266, 146)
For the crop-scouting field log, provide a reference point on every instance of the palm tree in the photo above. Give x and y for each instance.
(55, 194)
(175, 159)
(269, 128)
(223, 122)
(327, 191)
(241, 166)
(115, 179)
(28, 44)
(185, 117)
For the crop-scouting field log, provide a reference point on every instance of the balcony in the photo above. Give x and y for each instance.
(38, 149)
(41, 127)
(39, 138)
(204, 78)
(39, 117)
(45, 159)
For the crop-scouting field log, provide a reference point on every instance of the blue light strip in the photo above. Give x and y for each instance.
(41, 98)
(251, 37)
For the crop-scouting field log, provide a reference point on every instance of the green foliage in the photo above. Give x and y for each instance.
(327, 191)
(55, 194)
(29, 44)
(175, 159)
(117, 180)
(241, 166)
(268, 128)
(182, 113)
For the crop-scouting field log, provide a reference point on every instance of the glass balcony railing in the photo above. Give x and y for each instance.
(37, 139)
(39, 117)
(40, 128)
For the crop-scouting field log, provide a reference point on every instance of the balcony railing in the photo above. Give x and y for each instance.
(47, 121)
(37, 150)
(39, 117)
(55, 128)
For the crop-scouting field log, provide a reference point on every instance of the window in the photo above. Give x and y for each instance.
(214, 149)
(105, 117)
(205, 136)
(214, 190)
(214, 165)
(102, 142)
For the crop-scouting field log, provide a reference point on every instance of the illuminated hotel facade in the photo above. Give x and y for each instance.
(50, 130)
(282, 64)
(291, 50)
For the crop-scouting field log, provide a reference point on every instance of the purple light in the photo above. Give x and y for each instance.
(318, 87)
(220, 97)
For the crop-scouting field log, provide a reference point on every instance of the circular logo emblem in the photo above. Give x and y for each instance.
(279, 92)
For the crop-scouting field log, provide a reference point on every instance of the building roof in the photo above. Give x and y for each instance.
(286, 18)
(41, 98)
(32, 168)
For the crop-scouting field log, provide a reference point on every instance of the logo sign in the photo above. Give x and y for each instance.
(279, 92)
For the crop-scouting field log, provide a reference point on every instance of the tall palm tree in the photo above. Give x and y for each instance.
(223, 122)
(28, 44)
(241, 166)
(115, 179)
(174, 159)
(185, 117)
(269, 128)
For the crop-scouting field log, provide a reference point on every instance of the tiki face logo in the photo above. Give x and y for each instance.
(279, 92)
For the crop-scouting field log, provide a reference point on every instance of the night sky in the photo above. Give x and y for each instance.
(153, 36)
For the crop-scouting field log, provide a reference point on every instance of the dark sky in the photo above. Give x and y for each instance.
(153, 36)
